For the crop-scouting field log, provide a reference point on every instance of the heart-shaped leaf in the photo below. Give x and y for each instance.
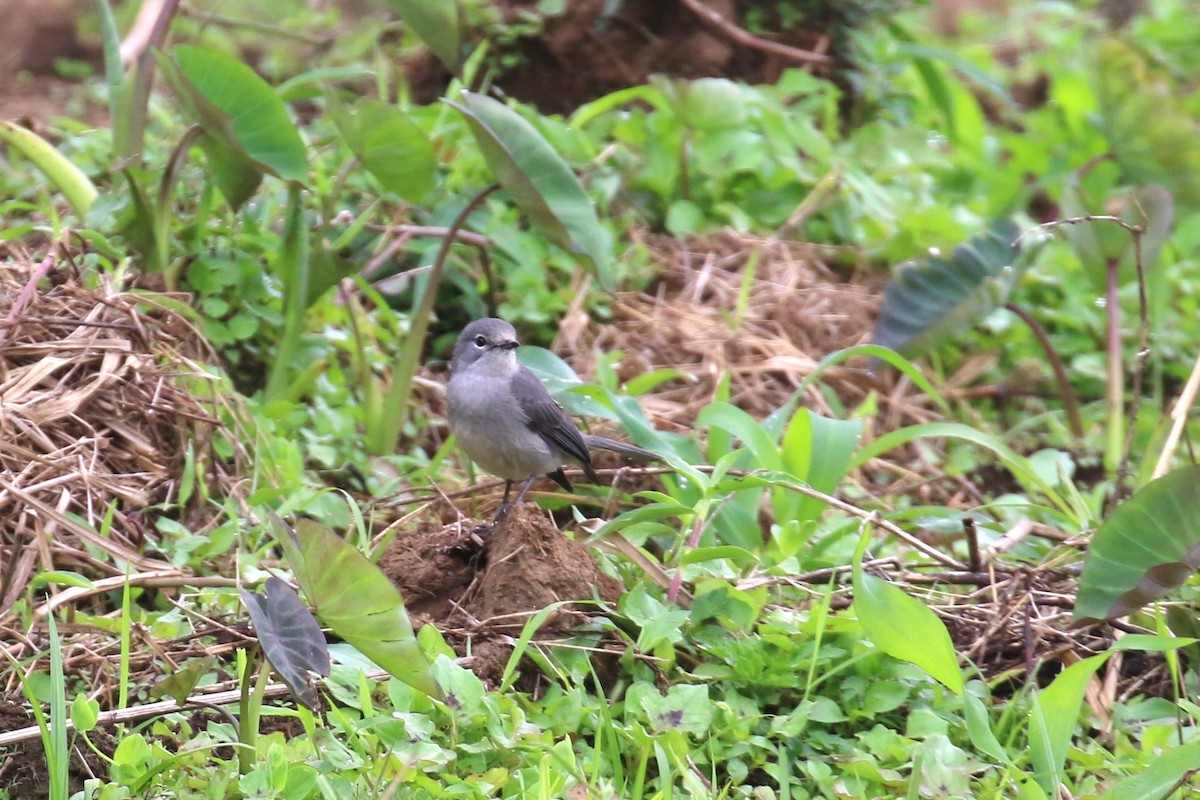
(539, 181)
(391, 146)
(356, 600)
(436, 23)
(1100, 243)
(930, 301)
(290, 637)
(1149, 545)
(247, 128)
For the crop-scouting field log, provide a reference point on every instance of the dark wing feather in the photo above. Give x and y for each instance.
(547, 419)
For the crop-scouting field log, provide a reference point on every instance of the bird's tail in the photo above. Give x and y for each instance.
(601, 443)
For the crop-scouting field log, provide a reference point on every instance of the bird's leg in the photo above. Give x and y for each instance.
(524, 489)
(506, 506)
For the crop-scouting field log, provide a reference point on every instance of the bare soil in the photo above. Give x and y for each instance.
(34, 35)
(23, 768)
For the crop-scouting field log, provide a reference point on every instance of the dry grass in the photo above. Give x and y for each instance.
(101, 396)
(762, 310)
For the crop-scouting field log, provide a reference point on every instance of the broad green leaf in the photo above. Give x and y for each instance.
(290, 638)
(817, 451)
(902, 626)
(1149, 546)
(1053, 717)
(66, 177)
(1099, 243)
(905, 628)
(356, 600)
(930, 301)
(1165, 774)
(435, 22)
(391, 147)
(539, 181)
(247, 128)
(85, 713)
(740, 425)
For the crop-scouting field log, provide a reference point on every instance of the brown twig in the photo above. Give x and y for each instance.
(747, 39)
(1070, 400)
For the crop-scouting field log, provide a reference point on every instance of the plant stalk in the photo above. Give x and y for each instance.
(1070, 400)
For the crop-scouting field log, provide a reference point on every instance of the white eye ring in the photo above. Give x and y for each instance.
(480, 340)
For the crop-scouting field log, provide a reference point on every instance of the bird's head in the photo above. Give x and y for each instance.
(490, 342)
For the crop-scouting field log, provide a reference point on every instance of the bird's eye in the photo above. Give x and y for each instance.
(480, 340)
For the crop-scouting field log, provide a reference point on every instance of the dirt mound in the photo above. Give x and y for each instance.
(481, 589)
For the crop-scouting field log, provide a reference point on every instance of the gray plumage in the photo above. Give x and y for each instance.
(505, 419)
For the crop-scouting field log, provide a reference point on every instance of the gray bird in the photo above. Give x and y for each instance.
(506, 420)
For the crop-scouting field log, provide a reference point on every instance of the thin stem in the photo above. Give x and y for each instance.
(1116, 381)
(383, 438)
(1143, 351)
(742, 37)
(1070, 401)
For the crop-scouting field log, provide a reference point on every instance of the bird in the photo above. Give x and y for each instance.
(506, 420)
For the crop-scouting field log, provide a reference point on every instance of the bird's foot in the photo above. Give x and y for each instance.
(502, 511)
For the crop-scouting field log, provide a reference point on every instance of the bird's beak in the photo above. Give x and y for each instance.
(511, 344)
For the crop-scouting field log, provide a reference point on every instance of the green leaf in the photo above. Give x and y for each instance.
(1054, 714)
(84, 713)
(247, 128)
(180, 683)
(539, 181)
(979, 729)
(356, 600)
(1166, 773)
(436, 23)
(902, 626)
(817, 451)
(1102, 243)
(685, 707)
(1149, 545)
(391, 147)
(928, 302)
(740, 425)
(290, 638)
(66, 177)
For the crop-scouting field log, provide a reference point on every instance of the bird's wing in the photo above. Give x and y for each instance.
(546, 417)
